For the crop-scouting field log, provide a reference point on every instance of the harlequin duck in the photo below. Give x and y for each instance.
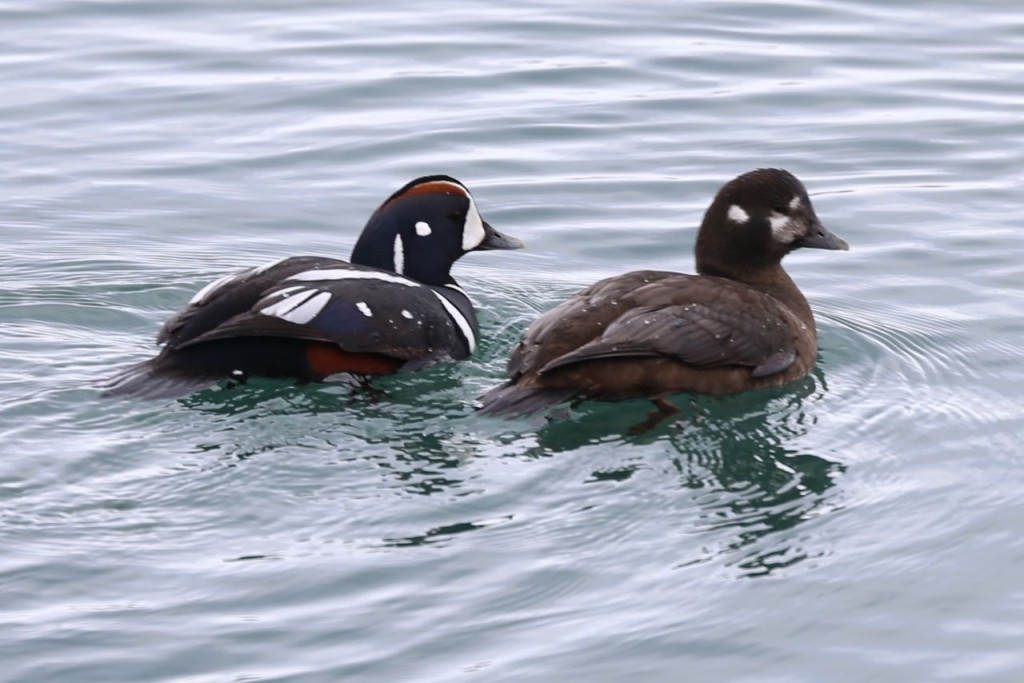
(394, 307)
(740, 324)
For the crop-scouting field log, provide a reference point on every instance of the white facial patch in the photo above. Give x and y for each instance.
(795, 204)
(784, 228)
(422, 228)
(345, 274)
(364, 309)
(473, 230)
(406, 314)
(738, 215)
(299, 308)
(399, 255)
(459, 320)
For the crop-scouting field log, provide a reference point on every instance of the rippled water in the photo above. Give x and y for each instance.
(863, 524)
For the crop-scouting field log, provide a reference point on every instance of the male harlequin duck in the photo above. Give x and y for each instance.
(394, 307)
(740, 324)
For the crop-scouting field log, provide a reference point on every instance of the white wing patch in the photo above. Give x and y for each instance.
(399, 255)
(267, 266)
(205, 292)
(364, 309)
(406, 314)
(288, 290)
(738, 215)
(423, 228)
(300, 307)
(346, 274)
(309, 310)
(459, 320)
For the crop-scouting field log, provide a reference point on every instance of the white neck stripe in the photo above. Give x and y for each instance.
(399, 255)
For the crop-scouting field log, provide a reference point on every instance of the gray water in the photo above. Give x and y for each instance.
(864, 524)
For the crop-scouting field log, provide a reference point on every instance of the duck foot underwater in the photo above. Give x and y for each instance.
(663, 410)
(362, 388)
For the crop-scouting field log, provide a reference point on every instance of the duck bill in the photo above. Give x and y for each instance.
(495, 240)
(820, 237)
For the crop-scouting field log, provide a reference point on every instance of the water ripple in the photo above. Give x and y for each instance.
(311, 533)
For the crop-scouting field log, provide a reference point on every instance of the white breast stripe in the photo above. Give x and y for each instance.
(344, 274)
(458, 289)
(301, 315)
(208, 289)
(399, 255)
(459, 320)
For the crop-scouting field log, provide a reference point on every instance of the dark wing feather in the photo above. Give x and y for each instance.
(360, 316)
(578, 320)
(232, 295)
(697, 334)
(250, 324)
(704, 322)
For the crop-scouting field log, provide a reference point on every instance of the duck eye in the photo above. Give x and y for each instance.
(780, 209)
(457, 216)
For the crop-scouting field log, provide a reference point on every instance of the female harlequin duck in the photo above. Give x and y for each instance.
(394, 307)
(740, 324)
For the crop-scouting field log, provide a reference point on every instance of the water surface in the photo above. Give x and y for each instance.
(862, 524)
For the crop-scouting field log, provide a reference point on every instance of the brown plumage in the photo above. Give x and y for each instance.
(740, 324)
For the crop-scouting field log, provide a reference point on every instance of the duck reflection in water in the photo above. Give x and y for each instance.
(738, 458)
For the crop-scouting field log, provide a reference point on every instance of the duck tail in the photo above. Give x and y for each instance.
(156, 378)
(511, 400)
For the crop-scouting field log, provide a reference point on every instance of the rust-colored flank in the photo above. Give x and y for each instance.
(328, 359)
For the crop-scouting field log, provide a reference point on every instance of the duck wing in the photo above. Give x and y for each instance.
(360, 309)
(698, 320)
(232, 295)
